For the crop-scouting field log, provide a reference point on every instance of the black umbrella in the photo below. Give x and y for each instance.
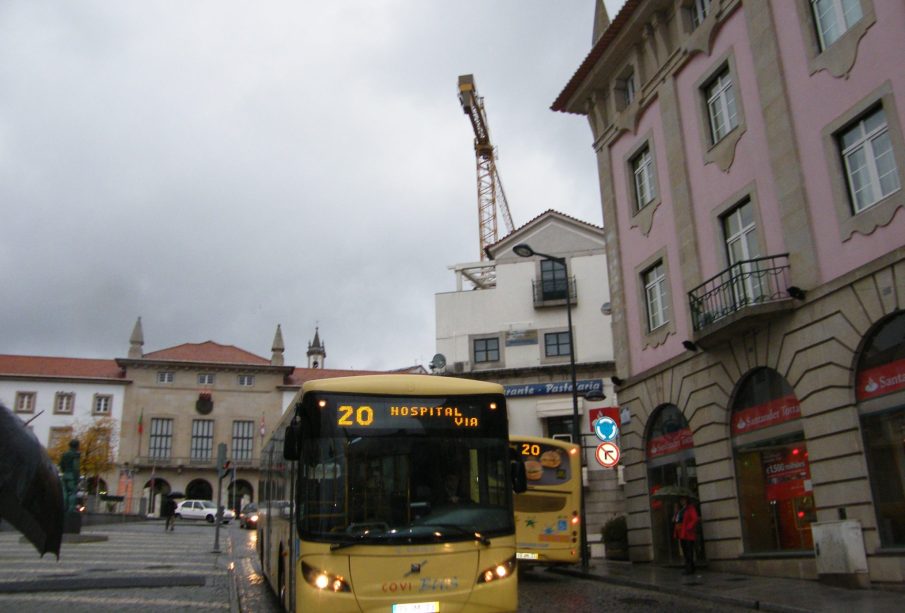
(31, 496)
(674, 491)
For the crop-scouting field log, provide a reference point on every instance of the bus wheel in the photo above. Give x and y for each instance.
(281, 580)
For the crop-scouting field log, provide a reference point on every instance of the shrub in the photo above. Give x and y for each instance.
(615, 530)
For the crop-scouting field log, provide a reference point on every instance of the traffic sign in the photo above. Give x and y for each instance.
(598, 412)
(606, 429)
(608, 454)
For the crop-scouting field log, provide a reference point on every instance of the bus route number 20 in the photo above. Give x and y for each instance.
(355, 416)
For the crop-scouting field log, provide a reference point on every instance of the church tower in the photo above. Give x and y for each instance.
(317, 352)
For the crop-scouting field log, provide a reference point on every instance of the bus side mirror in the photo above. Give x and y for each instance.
(291, 441)
(519, 476)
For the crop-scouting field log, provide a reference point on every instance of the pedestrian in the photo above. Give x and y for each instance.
(686, 530)
(169, 513)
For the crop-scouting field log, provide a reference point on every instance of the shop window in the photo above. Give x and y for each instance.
(775, 493)
(671, 467)
(881, 395)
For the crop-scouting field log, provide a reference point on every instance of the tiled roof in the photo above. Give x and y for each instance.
(208, 352)
(300, 375)
(40, 366)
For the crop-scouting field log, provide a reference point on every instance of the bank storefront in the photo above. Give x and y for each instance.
(775, 450)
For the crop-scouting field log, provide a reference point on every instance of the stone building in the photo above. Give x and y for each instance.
(751, 161)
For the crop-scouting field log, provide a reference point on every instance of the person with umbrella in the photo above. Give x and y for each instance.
(686, 530)
(169, 512)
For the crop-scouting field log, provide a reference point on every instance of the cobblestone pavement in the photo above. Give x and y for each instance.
(138, 567)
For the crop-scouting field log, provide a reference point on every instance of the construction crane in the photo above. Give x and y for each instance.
(491, 197)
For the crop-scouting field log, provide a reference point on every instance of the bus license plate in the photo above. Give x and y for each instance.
(526, 555)
(417, 607)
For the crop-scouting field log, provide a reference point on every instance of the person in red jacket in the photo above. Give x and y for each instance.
(686, 530)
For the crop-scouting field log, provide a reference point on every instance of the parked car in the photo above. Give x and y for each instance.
(248, 516)
(202, 509)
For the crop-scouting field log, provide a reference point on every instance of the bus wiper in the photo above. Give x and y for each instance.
(355, 540)
(460, 530)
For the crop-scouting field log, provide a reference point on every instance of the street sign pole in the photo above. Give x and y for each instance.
(221, 462)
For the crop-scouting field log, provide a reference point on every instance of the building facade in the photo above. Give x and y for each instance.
(751, 158)
(514, 331)
(58, 397)
(171, 409)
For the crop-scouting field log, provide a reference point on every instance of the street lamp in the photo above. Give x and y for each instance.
(524, 250)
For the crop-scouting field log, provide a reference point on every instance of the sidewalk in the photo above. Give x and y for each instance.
(125, 566)
(755, 592)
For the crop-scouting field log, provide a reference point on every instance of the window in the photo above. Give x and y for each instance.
(206, 378)
(165, 377)
(202, 439)
(740, 233)
(559, 427)
(25, 402)
(870, 166)
(556, 344)
(554, 283)
(102, 404)
(243, 440)
(246, 380)
(721, 107)
(654, 280)
(59, 436)
(833, 18)
(64, 402)
(161, 438)
(699, 11)
(643, 171)
(629, 92)
(776, 498)
(486, 350)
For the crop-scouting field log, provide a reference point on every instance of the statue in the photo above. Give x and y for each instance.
(69, 466)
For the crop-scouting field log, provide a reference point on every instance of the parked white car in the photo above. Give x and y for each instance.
(202, 509)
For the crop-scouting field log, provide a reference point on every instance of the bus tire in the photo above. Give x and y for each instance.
(281, 580)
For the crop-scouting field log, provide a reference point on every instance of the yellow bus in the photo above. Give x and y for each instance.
(547, 515)
(400, 493)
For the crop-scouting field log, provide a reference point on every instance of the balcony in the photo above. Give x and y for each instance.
(749, 291)
(552, 292)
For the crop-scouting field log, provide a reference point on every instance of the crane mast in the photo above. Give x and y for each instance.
(491, 197)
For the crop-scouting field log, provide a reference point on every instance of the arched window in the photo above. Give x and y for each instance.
(199, 489)
(881, 401)
(670, 468)
(775, 495)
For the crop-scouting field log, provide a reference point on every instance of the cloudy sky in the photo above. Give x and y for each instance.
(219, 167)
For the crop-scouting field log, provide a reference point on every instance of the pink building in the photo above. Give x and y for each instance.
(751, 160)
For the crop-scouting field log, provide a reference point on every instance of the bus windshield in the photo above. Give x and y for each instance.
(385, 470)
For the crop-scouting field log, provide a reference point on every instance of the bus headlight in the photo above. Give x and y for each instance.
(500, 571)
(324, 580)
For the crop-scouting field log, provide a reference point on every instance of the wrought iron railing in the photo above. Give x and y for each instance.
(547, 291)
(744, 284)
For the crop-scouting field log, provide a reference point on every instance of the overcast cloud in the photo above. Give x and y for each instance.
(221, 167)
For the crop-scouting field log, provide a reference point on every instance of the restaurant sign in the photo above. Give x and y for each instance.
(586, 386)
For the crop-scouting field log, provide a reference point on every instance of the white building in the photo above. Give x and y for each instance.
(57, 396)
(514, 331)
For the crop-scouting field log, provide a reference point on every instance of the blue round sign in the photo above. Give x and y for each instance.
(606, 429)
